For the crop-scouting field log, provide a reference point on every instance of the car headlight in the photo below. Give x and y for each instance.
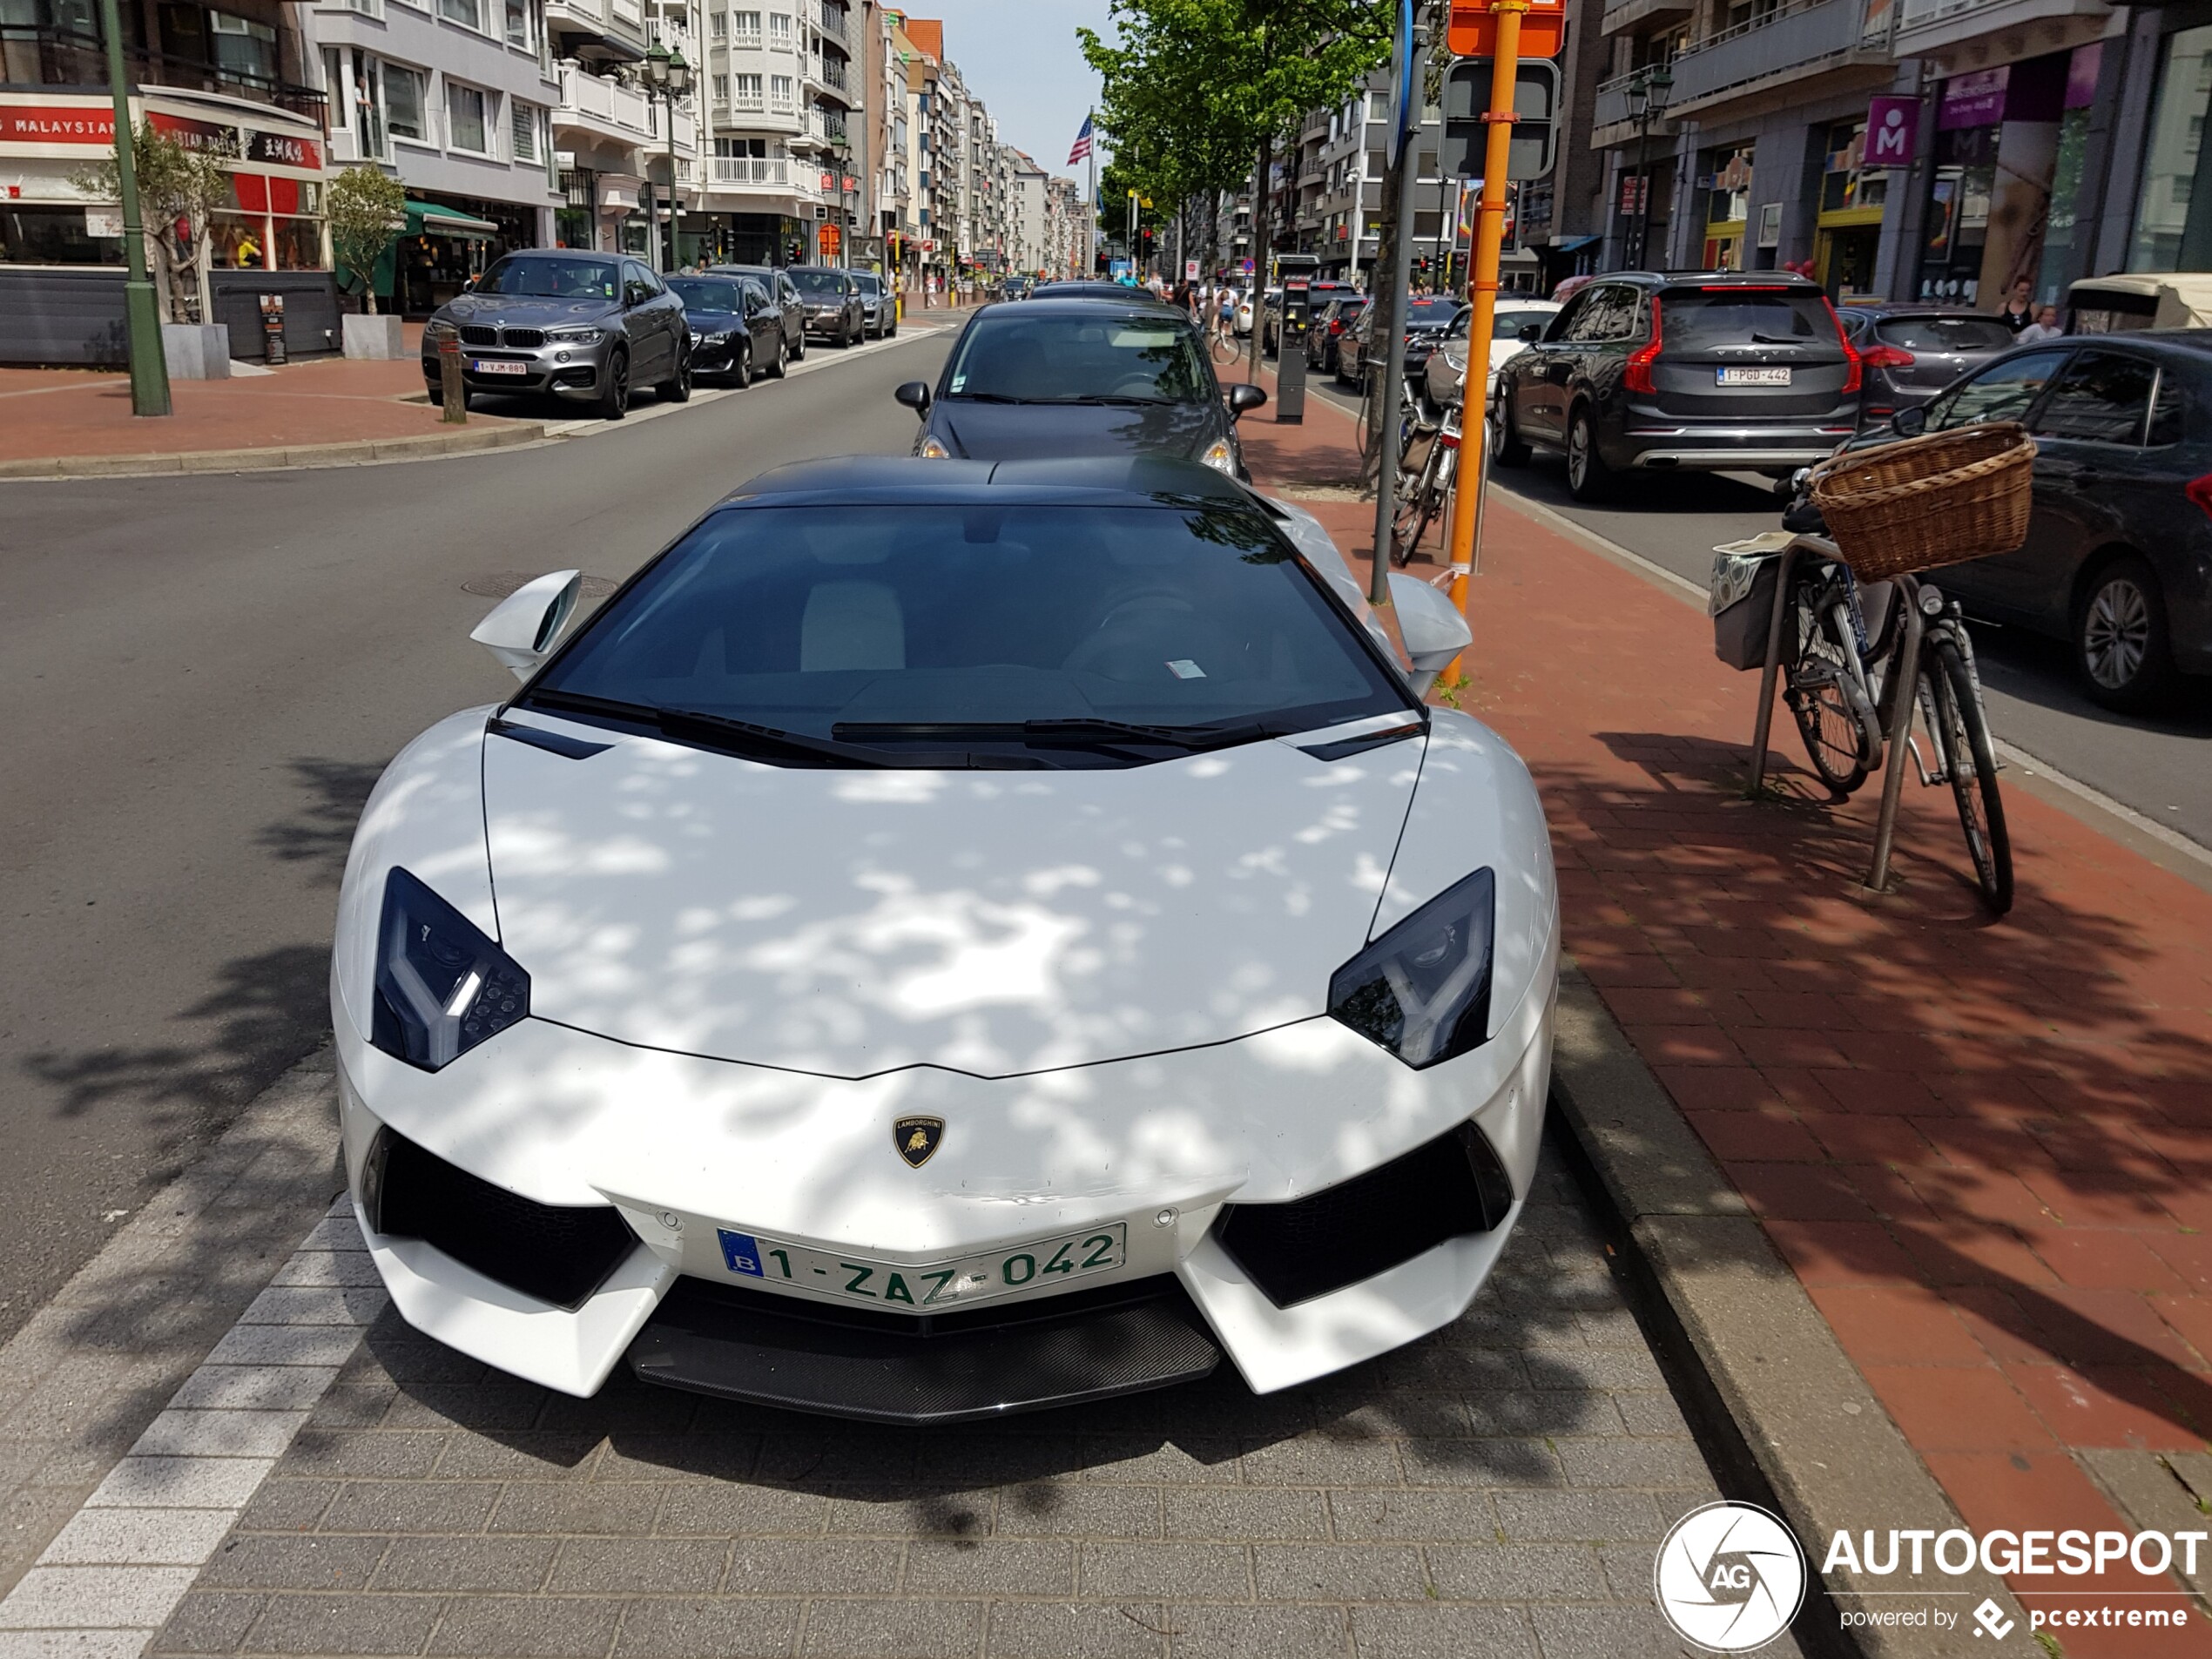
(722, 339)
(932, 450)
(1220, 456)
(585, 335)
(438, 328)
(442, 986)
(1422, 990)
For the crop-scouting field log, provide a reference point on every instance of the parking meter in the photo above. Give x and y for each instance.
(1290, 352)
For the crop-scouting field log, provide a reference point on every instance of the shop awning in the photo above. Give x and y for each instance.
(1568, 243)
(430, 219)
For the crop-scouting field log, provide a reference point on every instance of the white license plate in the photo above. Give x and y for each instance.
(1050, 1263)
(1752, 376)
(488, 366)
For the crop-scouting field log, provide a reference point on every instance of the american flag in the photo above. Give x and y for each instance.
(1082, 144)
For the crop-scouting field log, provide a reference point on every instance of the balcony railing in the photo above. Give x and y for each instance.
(1614, 105)
(1919, 14)
(34, 55)
(1789, 40)
(366, 7)
(836, 22)
(752, 170)
(593, 99)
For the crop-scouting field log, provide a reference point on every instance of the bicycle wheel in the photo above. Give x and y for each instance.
(1824, 698)
(1417, 510)
(1363, 432)
(1224, 348)
(1963, 735)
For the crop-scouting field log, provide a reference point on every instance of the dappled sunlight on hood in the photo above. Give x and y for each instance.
(849, 923)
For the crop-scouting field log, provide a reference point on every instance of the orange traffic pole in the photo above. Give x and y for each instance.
(1489, 244)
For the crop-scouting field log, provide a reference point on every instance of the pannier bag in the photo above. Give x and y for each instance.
(1740, 598)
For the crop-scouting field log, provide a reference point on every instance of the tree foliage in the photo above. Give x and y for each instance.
(179, 186)
(367, 208)
(1194, 88)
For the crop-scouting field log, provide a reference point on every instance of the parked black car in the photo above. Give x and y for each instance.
(777, 282)
(834, 309)
(736, 331)
(1909, 352)
(1054, 377)
(583, 327)
(1719, 371)
(1324, 340)
(1319, 294)
(1085, 289)
(1427, 318)
(2118, 560)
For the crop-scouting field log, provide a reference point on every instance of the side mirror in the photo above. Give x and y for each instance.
(1432, 627)
(523, 628)
(1909, 423)
(915, 396)
(1531, 333)
(1243, 398)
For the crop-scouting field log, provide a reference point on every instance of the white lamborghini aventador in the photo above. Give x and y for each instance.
(944, 939)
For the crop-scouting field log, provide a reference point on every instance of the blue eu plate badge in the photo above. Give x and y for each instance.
(740, 1252)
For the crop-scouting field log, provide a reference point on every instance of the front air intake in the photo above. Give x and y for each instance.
(1443, 1188)
(557, 1253)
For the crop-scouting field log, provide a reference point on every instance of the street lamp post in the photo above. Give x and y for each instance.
(669, 77)
(141, 316)
(1648, 101)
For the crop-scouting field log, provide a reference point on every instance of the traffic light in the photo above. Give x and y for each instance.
(1535, 123)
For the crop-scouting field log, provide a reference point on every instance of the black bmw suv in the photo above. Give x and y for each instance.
(1697, 371)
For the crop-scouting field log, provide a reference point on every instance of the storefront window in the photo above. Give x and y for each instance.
(299, 244)
(2174, 213)
(236, 242)
(59, 235)
(2059, 264)
(1969, 119)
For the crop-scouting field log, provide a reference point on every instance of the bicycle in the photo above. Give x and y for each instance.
(1224, 347)
(1841, 685)
(1429, 454)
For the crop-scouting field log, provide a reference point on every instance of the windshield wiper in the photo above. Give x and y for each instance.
(713, 731)
(1107, 398)
(1758, 339)
(1069, 733)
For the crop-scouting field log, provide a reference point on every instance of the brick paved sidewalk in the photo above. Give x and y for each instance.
(1983, 1146)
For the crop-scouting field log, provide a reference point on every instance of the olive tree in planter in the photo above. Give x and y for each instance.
(180, 187)
(367, 208)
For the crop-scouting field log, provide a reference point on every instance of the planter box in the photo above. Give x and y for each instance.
(197, 351)
(375, 338)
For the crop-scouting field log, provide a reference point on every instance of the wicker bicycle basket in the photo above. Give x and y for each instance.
(1939, 499)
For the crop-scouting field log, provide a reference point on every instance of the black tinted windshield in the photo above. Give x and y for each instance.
(818, 284)
(704, 294)
(1152, 357)
(1944, 333)
(1699, 319)
(813, 621)
(1431, 313)
(549, 276)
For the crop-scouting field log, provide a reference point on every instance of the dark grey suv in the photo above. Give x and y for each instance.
(583, 327)
(834, 309)
(1720, 371)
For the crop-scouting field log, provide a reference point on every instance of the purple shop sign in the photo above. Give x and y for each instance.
(1893, 131)
(1975, 100)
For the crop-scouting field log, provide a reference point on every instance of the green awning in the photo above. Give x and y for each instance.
(430, 219)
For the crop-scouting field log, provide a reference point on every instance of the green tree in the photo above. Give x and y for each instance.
(179, 186)
(1198, 89)
(367, 208)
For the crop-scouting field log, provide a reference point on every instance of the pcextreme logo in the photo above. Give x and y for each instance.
(1729, 1577)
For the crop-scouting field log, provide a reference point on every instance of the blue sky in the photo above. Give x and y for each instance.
(1020, 57)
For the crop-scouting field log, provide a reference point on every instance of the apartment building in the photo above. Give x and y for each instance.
(456, 97)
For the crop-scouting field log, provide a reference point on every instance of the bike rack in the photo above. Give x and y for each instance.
(1900, 733)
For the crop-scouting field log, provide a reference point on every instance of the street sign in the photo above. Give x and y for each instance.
(1893, 131)
(1191, 270)
(1473, 31)
(1535, 124)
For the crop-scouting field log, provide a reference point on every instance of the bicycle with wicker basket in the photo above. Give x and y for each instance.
(1845, 624)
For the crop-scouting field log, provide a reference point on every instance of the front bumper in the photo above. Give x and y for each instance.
(569, 372)
(683, 1147)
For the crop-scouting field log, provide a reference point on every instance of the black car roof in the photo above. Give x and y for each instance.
(1049, 304)
(1079, 290)
(1129, 480)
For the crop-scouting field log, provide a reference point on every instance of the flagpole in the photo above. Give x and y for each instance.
(1090, 238)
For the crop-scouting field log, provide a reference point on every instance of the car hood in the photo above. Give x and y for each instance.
(1033, 431)
(996, 923)
(524, 312)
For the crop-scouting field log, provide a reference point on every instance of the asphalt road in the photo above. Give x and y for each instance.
(205, 676)
(2161, 767)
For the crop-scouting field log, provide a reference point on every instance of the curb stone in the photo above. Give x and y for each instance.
(352, 453)
(1796, 1429)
